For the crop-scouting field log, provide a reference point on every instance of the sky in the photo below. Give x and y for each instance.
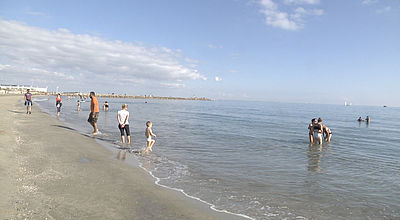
(307, 51)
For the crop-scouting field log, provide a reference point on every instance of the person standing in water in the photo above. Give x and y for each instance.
(123, 123)
(318, 130)
(28, 101)
(327, 133)
(149, 133)
(58, 104)
(94, 112)
(311, 131)
(105, 106)
(78, 105)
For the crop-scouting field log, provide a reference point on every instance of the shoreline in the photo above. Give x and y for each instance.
(51, 171)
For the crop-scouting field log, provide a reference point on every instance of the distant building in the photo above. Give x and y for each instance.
(22, 88)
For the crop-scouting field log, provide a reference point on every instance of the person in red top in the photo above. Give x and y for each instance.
(58, 104)
(94, 112)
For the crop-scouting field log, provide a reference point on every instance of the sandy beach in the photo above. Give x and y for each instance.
(49, 171)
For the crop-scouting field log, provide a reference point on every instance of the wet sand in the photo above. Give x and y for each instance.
(50, 171)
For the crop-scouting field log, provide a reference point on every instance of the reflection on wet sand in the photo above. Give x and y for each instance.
(122, 154)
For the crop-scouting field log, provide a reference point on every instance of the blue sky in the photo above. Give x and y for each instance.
(312, 51)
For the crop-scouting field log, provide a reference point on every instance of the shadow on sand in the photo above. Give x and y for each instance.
(18, 112)
(65, 127)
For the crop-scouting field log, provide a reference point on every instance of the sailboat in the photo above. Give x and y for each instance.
(347, 104)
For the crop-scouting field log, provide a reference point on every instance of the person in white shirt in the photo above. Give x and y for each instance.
(123, 120)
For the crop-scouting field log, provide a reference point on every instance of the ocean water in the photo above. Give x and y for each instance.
(254, 159)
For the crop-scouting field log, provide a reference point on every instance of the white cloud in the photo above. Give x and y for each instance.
(235, 56)
(289, 21)
(53, 55)
(384, 9)
(218, 79)
(233, 71)
(298, 2)
(173, 85)
(369, 2)
(212, 46)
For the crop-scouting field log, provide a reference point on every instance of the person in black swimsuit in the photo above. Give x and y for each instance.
(327, 133)
(105, 106)
(310, 130)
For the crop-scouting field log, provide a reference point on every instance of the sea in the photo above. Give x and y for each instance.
(254, 159)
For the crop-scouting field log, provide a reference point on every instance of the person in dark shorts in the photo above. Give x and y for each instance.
(28, 101)
(123, 123)
(58, 104)
(94, 112)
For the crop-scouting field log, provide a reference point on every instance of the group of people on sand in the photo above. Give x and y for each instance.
(123, 122)
(122, 117)
(319, 131)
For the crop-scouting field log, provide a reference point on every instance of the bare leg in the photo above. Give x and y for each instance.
(329, 137)
(147, 147)
(123, 138)
(311, 138)
(129, 139)
(320, 139)
(95, 128)
(151, 145)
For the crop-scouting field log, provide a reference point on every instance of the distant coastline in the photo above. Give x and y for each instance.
(136, 96)
(86, 95)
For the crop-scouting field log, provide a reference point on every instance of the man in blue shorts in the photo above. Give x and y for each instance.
(28, 102)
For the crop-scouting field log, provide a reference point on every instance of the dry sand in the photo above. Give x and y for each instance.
(49, 171)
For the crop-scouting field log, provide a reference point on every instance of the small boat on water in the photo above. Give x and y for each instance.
(347, 104)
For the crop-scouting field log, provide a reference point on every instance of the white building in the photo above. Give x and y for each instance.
(22, 87)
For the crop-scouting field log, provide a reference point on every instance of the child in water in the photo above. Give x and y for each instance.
(148, 135)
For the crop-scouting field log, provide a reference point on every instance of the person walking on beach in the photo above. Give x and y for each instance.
(58, 104)
(28, 101)
(149, 133)
(311, 131)
(123, 123)
(94, 112)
